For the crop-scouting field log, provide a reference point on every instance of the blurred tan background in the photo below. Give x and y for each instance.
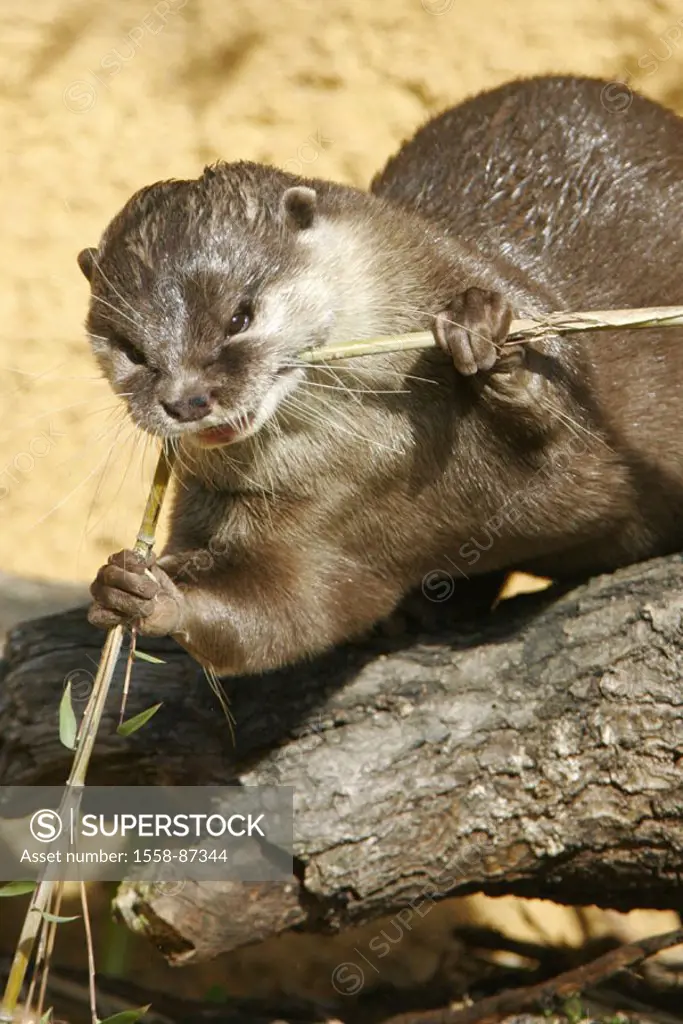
(98, 99)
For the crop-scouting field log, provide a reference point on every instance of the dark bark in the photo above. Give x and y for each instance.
(537, 753)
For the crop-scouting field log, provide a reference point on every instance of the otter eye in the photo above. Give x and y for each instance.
(134, 355)
(240, 319)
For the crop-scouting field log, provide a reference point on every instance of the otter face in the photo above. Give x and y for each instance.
(202, 295)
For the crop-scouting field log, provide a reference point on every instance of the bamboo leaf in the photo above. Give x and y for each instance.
(28, 937)
(68, 727)
(55, 919)
(127, 1017)
(17, 888)
(216, 994)
(144, 656)
(137, 722)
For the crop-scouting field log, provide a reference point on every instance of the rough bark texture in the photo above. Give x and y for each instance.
(537, 754)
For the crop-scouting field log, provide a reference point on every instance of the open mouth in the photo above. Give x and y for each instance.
(248, 423)
(227, 433)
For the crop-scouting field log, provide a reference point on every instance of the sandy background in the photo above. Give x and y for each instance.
(99, 99)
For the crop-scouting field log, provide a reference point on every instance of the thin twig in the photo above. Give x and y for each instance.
(529, 329)
(495, 1009)
(128, 673)
(38, 964)
(86, 740)
(91, 953)
(52, 935)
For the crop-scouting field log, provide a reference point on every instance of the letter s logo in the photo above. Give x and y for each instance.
(45, 826)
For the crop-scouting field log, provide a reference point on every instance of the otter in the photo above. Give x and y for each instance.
(310, 500)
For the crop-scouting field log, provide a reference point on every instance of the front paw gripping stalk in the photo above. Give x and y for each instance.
(87, 735)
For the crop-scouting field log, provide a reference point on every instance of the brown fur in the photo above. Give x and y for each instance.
(313, 528)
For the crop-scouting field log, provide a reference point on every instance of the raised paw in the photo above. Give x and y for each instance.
(133, 590)
(472, 328)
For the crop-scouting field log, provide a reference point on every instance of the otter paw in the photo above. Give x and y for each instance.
(131, 590)
(472, 328)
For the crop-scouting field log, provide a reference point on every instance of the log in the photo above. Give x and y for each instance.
(534, 752)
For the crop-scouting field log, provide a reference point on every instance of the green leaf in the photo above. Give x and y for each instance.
(47, 1017)
(137, 722)
(216, 994)
(127, 1017)
(144, 656)
(17, 888)
(54, 919)
(67, 720)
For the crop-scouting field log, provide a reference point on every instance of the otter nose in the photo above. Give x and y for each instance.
(189, 408)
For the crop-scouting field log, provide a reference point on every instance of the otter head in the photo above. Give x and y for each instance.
(203, 293)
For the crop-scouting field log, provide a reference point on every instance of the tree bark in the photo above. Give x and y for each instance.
(537, 752)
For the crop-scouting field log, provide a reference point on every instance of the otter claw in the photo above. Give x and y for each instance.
(131, 589)
(472, 329)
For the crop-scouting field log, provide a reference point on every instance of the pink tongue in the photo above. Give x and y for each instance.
(218, 435)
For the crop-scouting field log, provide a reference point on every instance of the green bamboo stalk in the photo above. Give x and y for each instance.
(86, 741)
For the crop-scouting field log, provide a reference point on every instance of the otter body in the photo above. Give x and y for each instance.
(587, 203)
(312, 500)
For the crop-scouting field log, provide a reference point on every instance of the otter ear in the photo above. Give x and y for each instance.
(86, 261)
(299, 205)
